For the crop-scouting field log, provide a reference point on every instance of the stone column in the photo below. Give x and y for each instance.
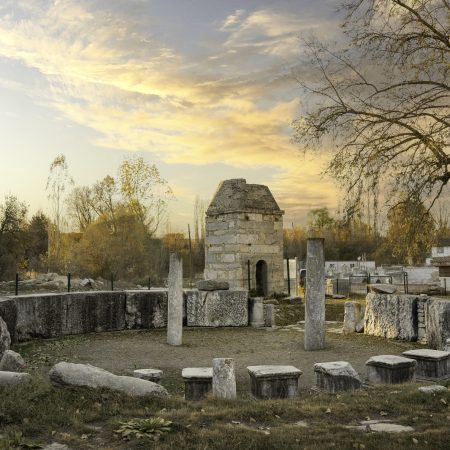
(175, 301)
(315, 295)
(224, 380)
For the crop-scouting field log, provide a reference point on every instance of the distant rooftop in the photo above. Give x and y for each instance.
(237, 196)
(444, 242)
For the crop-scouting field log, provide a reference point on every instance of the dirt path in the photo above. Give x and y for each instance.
(122, 352)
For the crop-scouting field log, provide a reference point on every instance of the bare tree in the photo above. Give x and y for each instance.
(81, 206)
(382, 103)
(57, 184)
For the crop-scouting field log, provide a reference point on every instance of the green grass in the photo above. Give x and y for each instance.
(84, 419)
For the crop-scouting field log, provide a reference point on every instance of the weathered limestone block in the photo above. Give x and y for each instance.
(269, 315)
(224, 379)
(175, 301)
(146, 309)
(256, 311)
(5, 338)
(8, 312)
(217, 308)
(197, 382)
(390, 369)
(431, 364)
(437, 319)
(336, 376)
(353, 315)
(273, 381)
(85, 375)
(391, 316)
(10, 379)
(433, 389)
(213, 285)
(153, 375)
(53, 315)
(12, 362)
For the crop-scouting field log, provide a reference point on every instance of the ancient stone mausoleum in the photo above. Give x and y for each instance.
(245, 224)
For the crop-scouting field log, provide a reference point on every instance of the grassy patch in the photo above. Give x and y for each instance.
(87, 419)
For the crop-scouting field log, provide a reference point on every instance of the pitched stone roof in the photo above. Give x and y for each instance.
(237, 196)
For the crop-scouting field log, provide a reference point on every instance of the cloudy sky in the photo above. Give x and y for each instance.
(205, 89)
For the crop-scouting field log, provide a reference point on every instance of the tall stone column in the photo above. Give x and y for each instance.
(175, 301)
(224, 379)
(315, 295)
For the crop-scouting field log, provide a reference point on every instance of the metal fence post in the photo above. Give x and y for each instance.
(112, 282)
(68, 282)
(17, 284)
(288, 276)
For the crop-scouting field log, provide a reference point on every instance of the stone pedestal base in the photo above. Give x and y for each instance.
(431, 364)
(197, 382)
(336, 376)
(274, 381)
(390, 369)
(148, 374)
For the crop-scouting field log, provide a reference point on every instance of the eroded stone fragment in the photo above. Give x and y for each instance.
(12, 362)
(336, 376)
(85, 375)
(224, 379)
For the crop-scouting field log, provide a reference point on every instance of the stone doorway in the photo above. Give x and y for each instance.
(261, 278)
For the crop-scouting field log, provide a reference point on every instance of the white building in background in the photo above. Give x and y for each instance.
(440, 257)
(345, 268)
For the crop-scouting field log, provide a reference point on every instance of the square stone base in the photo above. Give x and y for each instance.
(390, 369)
(274, 381)
(431, 364)
(197, 382)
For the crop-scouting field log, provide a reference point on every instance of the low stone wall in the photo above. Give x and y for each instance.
(408, 317)
(52, 315)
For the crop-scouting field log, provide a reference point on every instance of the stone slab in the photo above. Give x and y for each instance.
(146, 309)
(269, 371)
(389, 361)
(85, 375)
(197, 373)
(217, 308)
(383, 288)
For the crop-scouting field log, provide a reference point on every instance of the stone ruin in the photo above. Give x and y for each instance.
(244, 225)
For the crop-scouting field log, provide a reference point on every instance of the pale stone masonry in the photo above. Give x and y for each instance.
(244, 223)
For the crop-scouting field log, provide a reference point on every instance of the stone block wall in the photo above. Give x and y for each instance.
(42, 316)
(408, 317)
(232, 239)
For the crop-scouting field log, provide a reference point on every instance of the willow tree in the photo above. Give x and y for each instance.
(380, 104)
